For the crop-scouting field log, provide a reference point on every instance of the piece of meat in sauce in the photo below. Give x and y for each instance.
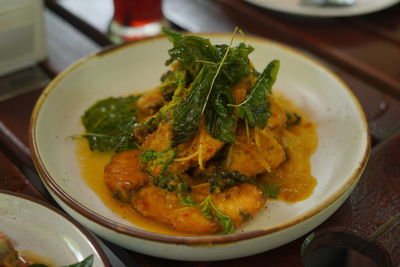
(240, 202)
(259, 149)
(149, 103)
(188, 153)
(122, 175)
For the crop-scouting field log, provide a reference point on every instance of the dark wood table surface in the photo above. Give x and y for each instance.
(363, 50)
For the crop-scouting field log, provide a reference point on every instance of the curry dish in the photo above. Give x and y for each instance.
(203, 151)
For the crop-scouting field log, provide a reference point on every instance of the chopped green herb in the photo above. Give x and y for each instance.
(210, 211)
(172, 183)
(155, 159)
(186, 200)
(270, 190)
(292, 119)
(223, 179)
(171, 81)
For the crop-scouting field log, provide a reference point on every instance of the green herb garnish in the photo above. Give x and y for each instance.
(188, 113)
(210, 211)
(219, 120)
(270, 190)
(186, 200)
(109, 124)
(255, 108)
(292, 119)
(223, 179)
(215, 69)
(171, 81)
(158, 159)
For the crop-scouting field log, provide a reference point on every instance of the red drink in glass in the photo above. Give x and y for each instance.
(135, 19)
(137, 13)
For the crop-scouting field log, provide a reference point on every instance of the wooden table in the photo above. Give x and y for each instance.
(363, 50)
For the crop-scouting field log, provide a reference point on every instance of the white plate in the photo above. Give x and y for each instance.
(361, 7)
(337, 164)
(35, 226)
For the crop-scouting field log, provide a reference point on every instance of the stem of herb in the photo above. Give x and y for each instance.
(219, 68)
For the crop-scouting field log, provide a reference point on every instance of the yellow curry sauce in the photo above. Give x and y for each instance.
(92, 165)
(293, 176)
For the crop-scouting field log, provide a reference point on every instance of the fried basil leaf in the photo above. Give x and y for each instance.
(109, 124)
(255, 107)
(215, 68)
(237, 63)
(219, 120)
(188, 113)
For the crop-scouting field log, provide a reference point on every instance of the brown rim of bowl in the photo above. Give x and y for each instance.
(87, 235)
(188, 240)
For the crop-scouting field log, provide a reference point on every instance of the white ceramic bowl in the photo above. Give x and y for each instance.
(39, 228)
(337, 164)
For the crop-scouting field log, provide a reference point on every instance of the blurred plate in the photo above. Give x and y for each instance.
(296, 7)
(37, 227)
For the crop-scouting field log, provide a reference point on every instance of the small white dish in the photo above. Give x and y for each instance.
(297, 7)
(337, 164)
(35, 226)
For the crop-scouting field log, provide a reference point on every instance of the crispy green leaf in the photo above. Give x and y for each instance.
(219, 120)
(237, 63)
(255, 108)
(188, 113)
(189, 50)
(109, 124)
(221, 68)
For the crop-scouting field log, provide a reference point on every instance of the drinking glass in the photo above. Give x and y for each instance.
(135, 19)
